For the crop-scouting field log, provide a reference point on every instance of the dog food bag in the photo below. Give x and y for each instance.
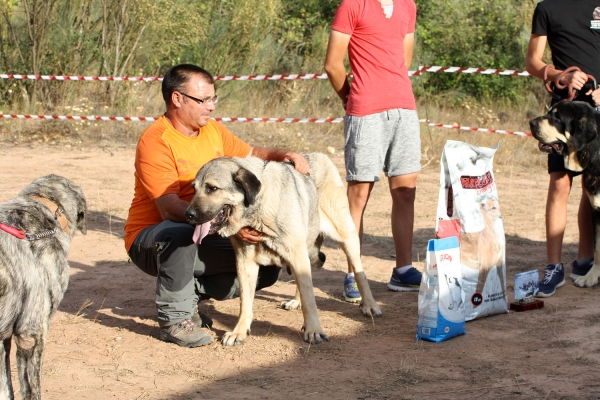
(441, 298)
(468, 208)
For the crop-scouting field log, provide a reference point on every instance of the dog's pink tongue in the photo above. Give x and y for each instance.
(200, 232)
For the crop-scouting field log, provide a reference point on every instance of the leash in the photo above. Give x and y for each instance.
(59, 219)
(597, 108)
(572, 93)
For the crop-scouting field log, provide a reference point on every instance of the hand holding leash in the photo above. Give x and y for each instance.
(595, 93)
(572, 78)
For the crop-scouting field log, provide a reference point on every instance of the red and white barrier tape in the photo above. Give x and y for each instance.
(225, 119)
(76, 117)
(468, 128)
(156, 78)
(285, 120)
(150, 119)
(419, 71)
(480, 71)
(79, 78)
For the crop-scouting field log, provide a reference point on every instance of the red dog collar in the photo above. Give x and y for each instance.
(16, 232)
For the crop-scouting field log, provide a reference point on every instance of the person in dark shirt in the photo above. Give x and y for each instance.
(572, 30)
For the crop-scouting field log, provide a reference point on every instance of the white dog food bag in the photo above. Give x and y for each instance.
(441, 298)
(468, 208)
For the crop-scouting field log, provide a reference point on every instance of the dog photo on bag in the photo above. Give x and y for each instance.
(36, 228)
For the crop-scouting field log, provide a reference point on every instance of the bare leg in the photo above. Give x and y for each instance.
(586, 228)
(403, 189)
(358, 197)
(556, 214)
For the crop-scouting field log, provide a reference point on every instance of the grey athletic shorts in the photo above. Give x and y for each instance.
(388, 141)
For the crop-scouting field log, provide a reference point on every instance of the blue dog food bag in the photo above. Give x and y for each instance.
(441, 297)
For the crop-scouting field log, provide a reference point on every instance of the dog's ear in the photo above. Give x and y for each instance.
(82, 221)
(584, 130)
(249, 184)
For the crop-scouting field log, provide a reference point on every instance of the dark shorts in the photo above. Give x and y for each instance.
(556, 163)
(187, 272)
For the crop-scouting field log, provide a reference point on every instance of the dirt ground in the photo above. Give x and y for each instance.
(103, 341)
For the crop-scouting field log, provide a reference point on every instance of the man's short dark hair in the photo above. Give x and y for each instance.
(176, 78)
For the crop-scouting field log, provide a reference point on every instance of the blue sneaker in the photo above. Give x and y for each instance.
(351, 293)
(554, 277)
(410, 281)
(581, 268)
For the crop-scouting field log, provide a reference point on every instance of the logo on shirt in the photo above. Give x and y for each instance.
(595, 23)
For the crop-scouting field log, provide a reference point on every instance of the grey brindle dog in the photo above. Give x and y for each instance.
(36, 228)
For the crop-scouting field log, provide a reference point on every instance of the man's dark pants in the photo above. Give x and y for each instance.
(187, 272)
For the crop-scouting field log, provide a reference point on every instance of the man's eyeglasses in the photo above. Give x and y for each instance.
(205, 101)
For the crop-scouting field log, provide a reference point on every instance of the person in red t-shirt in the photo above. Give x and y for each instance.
(158, 238)
(381, 125)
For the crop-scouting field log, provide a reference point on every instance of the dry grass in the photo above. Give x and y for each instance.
(79, 316)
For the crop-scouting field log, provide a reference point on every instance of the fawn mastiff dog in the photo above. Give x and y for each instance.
(293, 211)
(570, 128)
(36, 228)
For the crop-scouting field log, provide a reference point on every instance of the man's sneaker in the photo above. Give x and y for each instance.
(554, 277)
(201, 320)
(410, 281)
(351, 293)
(185, 334)
(581, 268)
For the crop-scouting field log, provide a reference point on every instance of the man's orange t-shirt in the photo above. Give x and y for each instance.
(167, 161)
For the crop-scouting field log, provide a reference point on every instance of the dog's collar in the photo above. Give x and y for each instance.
(59, 215)
(59, 219)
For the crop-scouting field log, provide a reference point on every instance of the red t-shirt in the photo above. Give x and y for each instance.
(376, 53)
(167, 162)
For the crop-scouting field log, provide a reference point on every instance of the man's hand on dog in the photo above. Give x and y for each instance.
(300, 163)
(249, 235)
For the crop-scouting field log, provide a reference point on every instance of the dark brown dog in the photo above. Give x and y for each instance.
(571, 129)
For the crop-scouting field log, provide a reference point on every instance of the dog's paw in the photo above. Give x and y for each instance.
(370, 310)
(315, 336)
(588, 280)
(291, 305)
(233, 339)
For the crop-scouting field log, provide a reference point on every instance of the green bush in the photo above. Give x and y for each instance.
(146, 37)
(474, 33)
